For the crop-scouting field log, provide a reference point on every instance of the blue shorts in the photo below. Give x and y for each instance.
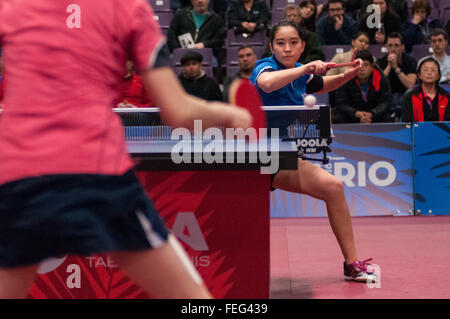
(56, 215)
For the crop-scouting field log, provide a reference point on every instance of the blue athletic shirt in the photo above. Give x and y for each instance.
(291, 94)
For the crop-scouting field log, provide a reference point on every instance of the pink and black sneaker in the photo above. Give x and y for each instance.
(357, 271)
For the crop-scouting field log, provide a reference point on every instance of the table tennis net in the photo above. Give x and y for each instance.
(305, 123)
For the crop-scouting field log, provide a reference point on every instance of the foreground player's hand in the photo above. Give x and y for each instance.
(239, 118)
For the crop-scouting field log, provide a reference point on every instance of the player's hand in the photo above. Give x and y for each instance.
(351, 72)
(316, 67)
(238, 117)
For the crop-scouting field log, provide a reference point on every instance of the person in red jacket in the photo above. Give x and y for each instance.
(428, 102)
(132, 90)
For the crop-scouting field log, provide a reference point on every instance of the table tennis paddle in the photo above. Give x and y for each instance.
(244, 94)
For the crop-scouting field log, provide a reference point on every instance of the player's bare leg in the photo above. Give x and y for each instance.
(312, 180)
(164, 272)
(15, 282)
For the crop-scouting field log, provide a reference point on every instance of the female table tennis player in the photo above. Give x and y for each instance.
(66, 179)
(280, 80)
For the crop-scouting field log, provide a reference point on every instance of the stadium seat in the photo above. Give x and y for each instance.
(257, 38)
(421, 50)
(277, 16)
(279, 5)
(160, 5)
(378, 50)
(164, 19)
(331, 50)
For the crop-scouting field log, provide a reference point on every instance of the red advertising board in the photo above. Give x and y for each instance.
(220, 217)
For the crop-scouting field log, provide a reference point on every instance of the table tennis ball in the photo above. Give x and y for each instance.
(310, 100)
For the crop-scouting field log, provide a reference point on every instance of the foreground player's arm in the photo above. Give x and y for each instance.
(179, 109)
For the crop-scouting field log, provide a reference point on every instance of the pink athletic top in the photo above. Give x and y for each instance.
(63, 64)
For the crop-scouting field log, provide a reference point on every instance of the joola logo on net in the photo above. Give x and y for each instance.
(380, 173)
(187, 229)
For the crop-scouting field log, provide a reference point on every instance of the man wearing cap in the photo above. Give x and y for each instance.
(194, 79)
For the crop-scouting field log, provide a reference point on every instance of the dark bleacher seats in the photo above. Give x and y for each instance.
(164, 19)
(257, 38)
(160, 5)
(279, 5)
(277, 16)
(331, 50)
(378, 50)
(421, 50)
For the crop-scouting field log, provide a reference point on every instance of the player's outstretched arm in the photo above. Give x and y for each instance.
(333, 82)
(179, 109)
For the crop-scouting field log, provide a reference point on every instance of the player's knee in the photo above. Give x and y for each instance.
(334, 187)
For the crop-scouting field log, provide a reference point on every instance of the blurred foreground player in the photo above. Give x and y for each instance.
(67, 185)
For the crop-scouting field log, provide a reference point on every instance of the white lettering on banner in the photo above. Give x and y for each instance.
(195, 238)
(74, 279)
(94, 262)
(346, 172)
(74, 19)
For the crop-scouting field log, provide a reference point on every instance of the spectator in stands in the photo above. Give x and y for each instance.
(366, 98)
(194, 79)
(400, 68)
(132, 90)
(247, 60)
(309, 13)
(418, 29)
(336, 27)
(400, 7)
(248, 16)
(390, 22)
(313, 47)
(359, 42)
(428, 101)
(439, 42)
(206, 27)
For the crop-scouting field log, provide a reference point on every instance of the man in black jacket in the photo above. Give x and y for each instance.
(365, 99)
(195, 81)
(206, 27)
(248, 16)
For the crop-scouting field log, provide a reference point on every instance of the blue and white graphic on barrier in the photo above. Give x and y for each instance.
(432, 167)
(373, 161)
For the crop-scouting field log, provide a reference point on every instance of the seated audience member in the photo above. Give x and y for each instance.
(400, 7)
(366, 98)
(418, 29)
(248, 16)
(390, 22)
(247, 60)
(360, 42)
(194, 79)
(132, 90)
(400, 68)
(439, 42)
(309, 13)
(428, 101)
(336, 27)
(313, 47)
(206, 27)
